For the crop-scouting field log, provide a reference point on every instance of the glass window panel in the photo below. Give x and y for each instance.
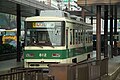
(45, 34)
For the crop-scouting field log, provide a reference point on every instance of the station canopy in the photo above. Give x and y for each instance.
(90, 6)
(28, 7)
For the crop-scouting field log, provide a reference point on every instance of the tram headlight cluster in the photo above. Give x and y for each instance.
(30, 55)
(55, 55)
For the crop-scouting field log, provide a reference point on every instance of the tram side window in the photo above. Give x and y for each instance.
(73, 36)
(76, 32)
(79, 35)
(90, 36)
(83, 36)
(70, 36)
(86, 37)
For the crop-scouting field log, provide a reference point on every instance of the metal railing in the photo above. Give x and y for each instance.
(26, 74)
(92, 70)
(89, 70)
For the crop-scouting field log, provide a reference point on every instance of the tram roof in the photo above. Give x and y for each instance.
(39, 18)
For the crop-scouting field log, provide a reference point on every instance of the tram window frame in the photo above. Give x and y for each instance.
(84, 36)
(73, 36)
(79, 35)
(91, 37)
(76, 36)
(87, 37)
(29, 24)
(71, 39)
(67, 42)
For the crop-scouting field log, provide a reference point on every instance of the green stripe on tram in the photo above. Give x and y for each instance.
(45, 54)
(55, 54)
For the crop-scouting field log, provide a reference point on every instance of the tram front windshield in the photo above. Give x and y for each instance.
(45, 34)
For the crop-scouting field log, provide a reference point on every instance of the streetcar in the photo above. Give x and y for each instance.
(56, 40)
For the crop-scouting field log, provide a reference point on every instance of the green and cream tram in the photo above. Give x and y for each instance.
(54, 40)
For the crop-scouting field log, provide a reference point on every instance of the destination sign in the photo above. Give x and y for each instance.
(43, 24)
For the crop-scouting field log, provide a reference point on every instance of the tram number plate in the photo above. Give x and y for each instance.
(43, 55)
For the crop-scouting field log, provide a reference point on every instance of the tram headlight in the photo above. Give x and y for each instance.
(55, 55)
(30, 55)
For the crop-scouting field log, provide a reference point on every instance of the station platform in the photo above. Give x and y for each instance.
(8, 64)
(113, 67)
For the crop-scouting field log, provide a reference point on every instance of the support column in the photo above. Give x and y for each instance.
(111, 30)
(115, 30)
(98, 33)
(91, 15)
(18, 32)
(106, 31)
(68, 5)
(91, 20)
